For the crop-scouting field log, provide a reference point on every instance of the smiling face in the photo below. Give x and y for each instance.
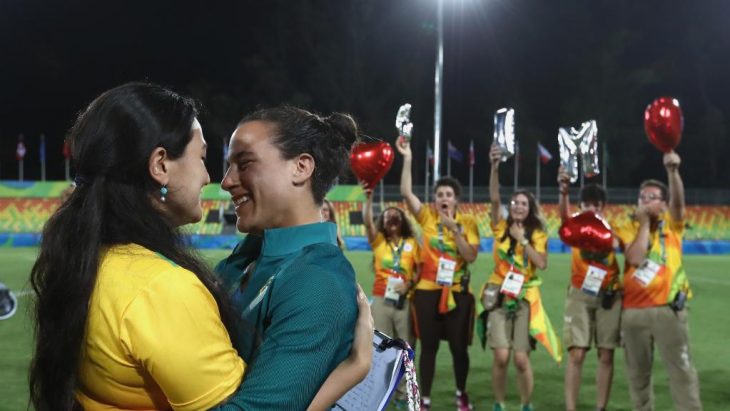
(519, 207)
(188, 176)
(259, 179)
(446, 200)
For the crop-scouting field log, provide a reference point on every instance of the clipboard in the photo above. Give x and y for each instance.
(386, 371)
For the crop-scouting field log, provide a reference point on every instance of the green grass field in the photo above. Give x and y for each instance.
(708, 275)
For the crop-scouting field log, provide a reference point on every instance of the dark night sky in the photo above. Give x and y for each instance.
(557, 63)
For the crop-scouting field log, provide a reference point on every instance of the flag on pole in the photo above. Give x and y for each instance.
(545, 155)
(43, 149)
(455, 153)
(20, 151)
(66, 149)
(42, 152)
(471, 154)
(429, 154)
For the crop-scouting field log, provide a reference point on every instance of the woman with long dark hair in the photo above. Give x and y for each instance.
(511, 295)
(396, 261)
(127, 316)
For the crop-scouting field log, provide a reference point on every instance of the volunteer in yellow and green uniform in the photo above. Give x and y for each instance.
(511, 296)
(396, 259)
(655, 293)
(444, 305)
(593, 305)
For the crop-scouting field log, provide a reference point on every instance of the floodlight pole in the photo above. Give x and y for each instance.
(438, 91)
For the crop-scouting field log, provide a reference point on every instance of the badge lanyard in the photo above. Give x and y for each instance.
(662, 245)
(441, 238)
(397, 251)
(525, 261)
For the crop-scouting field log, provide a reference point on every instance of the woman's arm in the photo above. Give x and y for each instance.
(355, 367)
(494, 157)
(517, 231)
(564, 198)
(467, 251)
(406, 185)
(370, 228)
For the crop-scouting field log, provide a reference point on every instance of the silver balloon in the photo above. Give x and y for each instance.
(403, 121)
(504, 131)
(584, 141)
(8, 303)
(568, 152)
(589, 150)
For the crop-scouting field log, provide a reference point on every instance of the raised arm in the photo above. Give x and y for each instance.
(367, 212)
(406, 184)
(353, 369)
(494, 159)
(676, 186)
(564, 196)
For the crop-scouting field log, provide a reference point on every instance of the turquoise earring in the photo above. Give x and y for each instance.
(163, 192)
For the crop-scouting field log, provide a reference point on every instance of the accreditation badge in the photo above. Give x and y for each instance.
(512, 284)
(593, 280)
(445, 273)
(646, 272)
(407, 247)
(391, 294)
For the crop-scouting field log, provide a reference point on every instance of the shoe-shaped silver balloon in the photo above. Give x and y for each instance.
(8, 302)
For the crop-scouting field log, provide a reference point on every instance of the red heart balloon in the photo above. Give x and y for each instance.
(587, 231)
(371, 161)
(663, 123)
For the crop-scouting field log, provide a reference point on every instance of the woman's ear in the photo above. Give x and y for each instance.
(157, 166)
(304, 168)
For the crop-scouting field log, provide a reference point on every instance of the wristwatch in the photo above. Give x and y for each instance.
(524, 242)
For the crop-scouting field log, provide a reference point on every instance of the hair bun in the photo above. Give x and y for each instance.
(345, 128)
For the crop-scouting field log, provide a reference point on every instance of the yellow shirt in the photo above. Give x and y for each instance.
(504, 262)
(665, 249)
(433, 249)
(384, 256)
(154, 338)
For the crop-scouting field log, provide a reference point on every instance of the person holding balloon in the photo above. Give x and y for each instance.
(593, 304)
(444, 305)
(511, 296)
(396, 261)
(656, 287)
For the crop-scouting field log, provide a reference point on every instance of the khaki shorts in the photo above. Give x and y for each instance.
(587, 323)
(391, 321)
(514, 333)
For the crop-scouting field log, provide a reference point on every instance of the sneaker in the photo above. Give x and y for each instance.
(462, 403)
(526, 407)
(498, 406)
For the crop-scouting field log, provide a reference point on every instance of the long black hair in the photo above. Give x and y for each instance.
(406, 231)
(532, 222)
(327, 139)
(111, 142)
